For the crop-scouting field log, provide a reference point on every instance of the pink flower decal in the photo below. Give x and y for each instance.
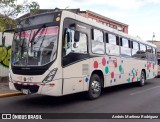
(103, 61)
(95, 65)
(112, 75)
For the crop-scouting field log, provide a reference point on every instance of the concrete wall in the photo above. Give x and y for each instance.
(8, 42)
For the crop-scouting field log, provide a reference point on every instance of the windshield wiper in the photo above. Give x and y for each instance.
(43, 26)
(35, 34)
(42, 40)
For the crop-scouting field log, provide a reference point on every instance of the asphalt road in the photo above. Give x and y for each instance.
(127, 98)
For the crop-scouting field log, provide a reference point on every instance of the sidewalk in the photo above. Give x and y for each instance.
(4, 88)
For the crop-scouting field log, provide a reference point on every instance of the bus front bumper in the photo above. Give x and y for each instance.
(52, 89)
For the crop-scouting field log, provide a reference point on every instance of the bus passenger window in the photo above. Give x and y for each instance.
(82, 44)
(135, 49)
(154, 54)
(142, 51)
(125, 50)
(98, 42)
(154, 51)
(149, 53)
(149, 49)
(112, 47)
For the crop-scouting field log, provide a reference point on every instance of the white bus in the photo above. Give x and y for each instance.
(62, 53)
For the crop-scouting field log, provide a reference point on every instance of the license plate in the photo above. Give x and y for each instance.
(25, 91)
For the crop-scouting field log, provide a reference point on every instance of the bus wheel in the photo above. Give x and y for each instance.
(95, 87)
(142, 80)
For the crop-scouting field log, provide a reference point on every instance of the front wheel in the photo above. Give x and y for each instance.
(142, 79)
(95, 87)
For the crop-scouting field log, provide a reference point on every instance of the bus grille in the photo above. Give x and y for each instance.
(33, 89)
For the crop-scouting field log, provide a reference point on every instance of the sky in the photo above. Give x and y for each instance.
(142, 16)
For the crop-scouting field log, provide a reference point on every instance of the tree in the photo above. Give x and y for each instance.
(10, 9)
(5, 22)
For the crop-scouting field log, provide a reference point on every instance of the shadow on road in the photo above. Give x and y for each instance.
(48, 101)
(123, 87)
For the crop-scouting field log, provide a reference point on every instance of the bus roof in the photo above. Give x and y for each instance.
(66, 13)
(104, 27)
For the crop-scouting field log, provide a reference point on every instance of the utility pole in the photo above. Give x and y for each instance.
(153, 37)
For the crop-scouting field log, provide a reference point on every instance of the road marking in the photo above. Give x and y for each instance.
(138, 92)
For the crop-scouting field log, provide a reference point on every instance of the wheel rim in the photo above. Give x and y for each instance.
(142, 78)
(96, 87)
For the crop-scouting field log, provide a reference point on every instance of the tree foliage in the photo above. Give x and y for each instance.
(6, 23)
(10, 9)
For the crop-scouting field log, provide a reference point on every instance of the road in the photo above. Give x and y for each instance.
(127, 98)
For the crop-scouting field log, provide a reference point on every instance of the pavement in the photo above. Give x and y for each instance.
(128, 98)
(4, 88)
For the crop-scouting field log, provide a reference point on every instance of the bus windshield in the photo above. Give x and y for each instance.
(34, 47)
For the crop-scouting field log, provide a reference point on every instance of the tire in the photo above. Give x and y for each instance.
(142, 80)
(95, 87)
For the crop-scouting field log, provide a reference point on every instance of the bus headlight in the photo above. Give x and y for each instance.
(50, 76)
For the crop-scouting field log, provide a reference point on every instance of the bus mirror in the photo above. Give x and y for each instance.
(73, 26)
(76, 36)
(75, 45)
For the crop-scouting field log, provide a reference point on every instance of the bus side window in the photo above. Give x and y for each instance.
(135, 49)
(150, 54)
(142, 51)
(154, 54)
(82, 44)
(112, 47)
(97, 42)
(125, 50)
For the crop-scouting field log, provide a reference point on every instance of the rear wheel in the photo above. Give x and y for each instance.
(142, 79)
(95, 87)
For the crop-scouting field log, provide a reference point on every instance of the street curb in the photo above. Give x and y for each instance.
(10, 94)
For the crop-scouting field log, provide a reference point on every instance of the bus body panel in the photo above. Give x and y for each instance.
(75, 77)
(122, 70)
(53, 88)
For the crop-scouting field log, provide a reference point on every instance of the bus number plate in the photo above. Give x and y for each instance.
(25, 91)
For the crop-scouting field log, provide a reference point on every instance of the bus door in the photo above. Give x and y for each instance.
(75, 58)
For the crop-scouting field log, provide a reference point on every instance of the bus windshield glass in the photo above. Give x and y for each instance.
(34, 47)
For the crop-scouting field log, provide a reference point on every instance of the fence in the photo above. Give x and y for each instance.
(5, 54)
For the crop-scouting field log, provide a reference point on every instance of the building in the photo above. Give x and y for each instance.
(105, 20)
(155, 42)
(90, 15)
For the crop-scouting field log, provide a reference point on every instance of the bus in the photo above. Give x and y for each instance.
(61, 53)
(158, 62)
